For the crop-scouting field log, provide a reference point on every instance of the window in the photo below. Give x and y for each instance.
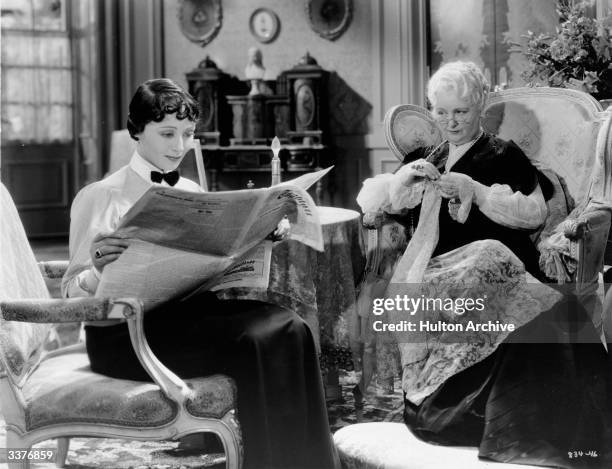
(37, 72)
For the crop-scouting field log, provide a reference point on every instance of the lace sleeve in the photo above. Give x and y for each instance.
(512, 209)
(386, 192)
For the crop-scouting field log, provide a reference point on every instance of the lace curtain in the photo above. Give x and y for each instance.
(37, 72)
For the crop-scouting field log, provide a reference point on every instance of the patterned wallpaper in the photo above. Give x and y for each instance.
(480, 29)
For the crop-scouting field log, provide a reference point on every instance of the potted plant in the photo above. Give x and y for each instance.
(578, 55)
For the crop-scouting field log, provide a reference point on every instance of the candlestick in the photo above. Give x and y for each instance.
(276, 163)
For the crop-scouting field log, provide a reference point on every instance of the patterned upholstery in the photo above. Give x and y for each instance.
(20, 343)
(56, 395)
(388, 445)
(556, 131)
(76, 394)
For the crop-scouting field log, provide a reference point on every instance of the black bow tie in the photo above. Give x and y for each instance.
(171, 177)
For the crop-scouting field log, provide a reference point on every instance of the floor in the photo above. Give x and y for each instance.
(55, 249)
(101, 453)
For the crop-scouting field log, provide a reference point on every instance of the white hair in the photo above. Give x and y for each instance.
(463, 77)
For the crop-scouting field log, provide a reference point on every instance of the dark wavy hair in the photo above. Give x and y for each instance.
(156, 98)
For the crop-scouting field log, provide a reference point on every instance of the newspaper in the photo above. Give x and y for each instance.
(182, 241)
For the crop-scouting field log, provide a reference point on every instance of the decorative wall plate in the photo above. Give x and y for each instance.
(329, 18)
(200, 20)
(264, 25)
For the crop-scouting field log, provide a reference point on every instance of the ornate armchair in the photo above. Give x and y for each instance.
(56, 395)
(568, 136)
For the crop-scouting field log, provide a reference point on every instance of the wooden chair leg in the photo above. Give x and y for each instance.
(62, 451)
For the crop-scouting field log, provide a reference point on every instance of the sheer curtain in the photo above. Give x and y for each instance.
(37, 68)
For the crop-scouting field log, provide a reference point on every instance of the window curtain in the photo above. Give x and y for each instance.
(37, 72)
(131, 41)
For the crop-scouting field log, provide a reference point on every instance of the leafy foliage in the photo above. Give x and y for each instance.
(577, 56)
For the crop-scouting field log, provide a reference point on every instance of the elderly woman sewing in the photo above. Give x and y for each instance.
(480, 198)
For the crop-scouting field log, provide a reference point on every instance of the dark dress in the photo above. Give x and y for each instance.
(529, 403)
(269, 352)
(489, 161)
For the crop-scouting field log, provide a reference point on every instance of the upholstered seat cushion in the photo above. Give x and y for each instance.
(76, 394)
(386, 445)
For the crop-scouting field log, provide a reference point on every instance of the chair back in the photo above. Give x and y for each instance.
(123, 146)
(408, 127)
(21, 343)
(565, 133)
(560, 130)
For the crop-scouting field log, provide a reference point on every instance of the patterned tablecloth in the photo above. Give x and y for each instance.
(320, 286)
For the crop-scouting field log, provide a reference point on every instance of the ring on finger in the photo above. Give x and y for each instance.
(98, 254)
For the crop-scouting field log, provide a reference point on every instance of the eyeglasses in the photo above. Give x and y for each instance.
(459, 116)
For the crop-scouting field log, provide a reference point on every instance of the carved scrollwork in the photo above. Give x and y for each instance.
(329, 18)
(200, 20)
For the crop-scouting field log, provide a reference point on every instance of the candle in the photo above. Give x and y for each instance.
(276, 168)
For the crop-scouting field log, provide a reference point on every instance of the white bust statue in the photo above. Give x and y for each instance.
(255, 70)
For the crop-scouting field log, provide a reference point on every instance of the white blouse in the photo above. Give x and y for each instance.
(98, 208)
(498, 202)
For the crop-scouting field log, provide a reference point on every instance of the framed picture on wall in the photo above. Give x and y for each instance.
(329, 18)
(200, 20)
(264, 25)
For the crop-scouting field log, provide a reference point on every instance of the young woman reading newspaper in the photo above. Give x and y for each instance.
(268, 350)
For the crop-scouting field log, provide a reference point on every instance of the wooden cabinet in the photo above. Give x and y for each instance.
(239, 121)
(232, 167)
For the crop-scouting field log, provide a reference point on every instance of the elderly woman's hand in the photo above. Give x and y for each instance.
(456, 186)
(416, 171)
(106, 248)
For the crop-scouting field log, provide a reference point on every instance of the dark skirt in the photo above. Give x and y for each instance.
(268, 350)
(545, 404)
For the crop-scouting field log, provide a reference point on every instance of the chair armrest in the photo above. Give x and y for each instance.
(577, 228)
(99, 309)
(56, 310)
(53, 269)
(171, 385)
(591, 236)
(574, 251)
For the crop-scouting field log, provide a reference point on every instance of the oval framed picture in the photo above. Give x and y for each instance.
(329, 18)
(264, 25)
(200, 20)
